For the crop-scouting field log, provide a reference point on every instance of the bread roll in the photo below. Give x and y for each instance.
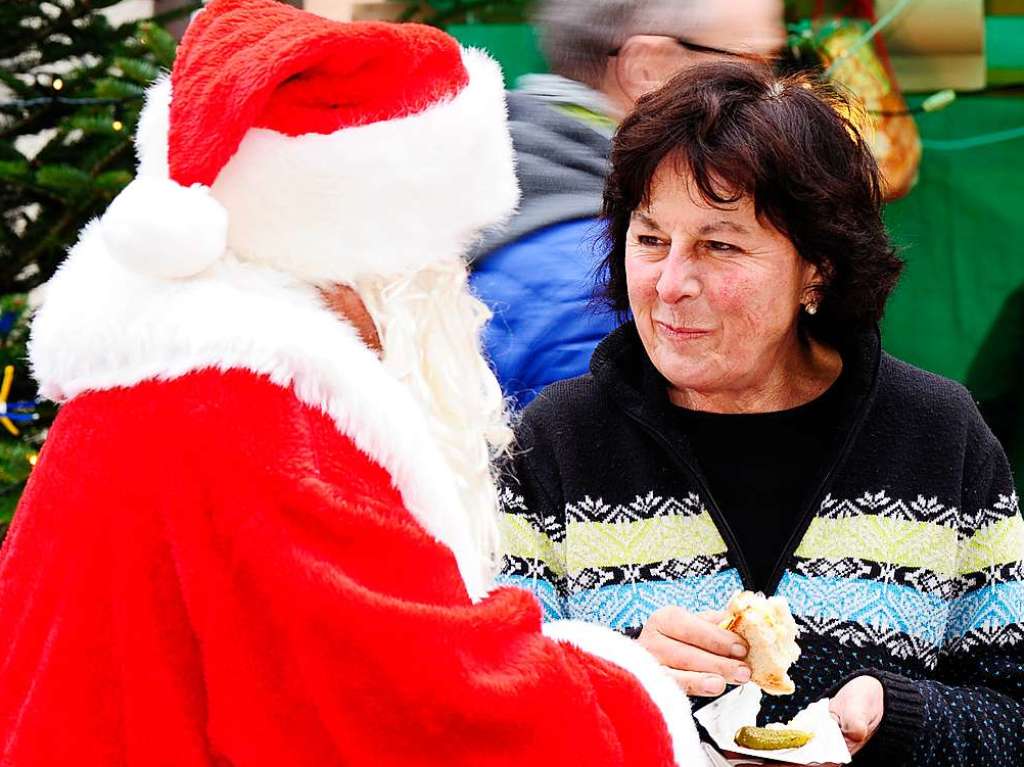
(770, 631)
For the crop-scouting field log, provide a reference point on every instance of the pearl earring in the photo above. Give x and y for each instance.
(811, 308)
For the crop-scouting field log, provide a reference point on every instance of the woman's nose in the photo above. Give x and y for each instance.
(678, 279)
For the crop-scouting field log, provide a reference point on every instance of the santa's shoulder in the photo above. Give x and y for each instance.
(205, 415)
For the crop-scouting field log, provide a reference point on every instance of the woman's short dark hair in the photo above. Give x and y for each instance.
(741, 131)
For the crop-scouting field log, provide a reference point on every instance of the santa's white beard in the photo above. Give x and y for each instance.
(429, 325)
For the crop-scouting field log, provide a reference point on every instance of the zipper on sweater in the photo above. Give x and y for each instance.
(716, 513)
(826, 482)
(811, 510)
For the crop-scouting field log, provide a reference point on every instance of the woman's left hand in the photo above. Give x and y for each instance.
(858, 707)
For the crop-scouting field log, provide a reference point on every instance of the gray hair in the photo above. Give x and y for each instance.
(577, 35)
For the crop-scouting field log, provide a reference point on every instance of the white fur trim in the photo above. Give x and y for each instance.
(142, 237)
(628, 654)
(103, 326)
(389, 197)
(151, 133)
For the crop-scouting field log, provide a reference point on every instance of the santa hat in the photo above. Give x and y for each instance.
(327, 150)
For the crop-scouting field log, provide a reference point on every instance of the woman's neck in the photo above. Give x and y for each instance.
(795, 379)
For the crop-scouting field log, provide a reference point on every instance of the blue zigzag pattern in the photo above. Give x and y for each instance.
(989, 608)
(541, 588)
(886, 606)
(629, 605)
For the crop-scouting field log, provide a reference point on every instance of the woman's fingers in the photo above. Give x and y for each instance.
(701, 655)
(697, 683)
(683, 626)
(712, 616)
(856, 727)
(688, 657)
(859, 707)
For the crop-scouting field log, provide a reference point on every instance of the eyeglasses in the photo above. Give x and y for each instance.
(698, 48)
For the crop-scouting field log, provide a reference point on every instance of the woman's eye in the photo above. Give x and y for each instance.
(721, 247)
(648, 241)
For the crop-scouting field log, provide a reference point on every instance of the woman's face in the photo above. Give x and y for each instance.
(715, 292)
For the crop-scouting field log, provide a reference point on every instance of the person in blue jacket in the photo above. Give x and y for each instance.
(537, 274)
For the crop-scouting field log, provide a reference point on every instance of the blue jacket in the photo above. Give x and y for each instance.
(538, 275)
(540, 289)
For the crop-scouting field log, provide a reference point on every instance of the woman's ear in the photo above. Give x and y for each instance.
(645, 63)
(815, 278)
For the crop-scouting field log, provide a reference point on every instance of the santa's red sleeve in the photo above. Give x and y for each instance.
(205, 572)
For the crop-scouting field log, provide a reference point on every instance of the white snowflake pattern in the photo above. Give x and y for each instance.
(643, 505)
(587, 509)
(874, 501)
(509, 501)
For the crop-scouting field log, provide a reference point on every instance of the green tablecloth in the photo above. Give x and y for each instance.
(959, 310)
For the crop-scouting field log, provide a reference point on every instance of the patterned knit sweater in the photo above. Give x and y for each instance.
(906, 564)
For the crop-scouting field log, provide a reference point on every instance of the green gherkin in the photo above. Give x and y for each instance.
(771, 738)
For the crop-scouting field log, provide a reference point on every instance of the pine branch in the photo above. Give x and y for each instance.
(60, 23)
(30, 185)
(30, 124)
(63, 230)
(14, 83)
(81, 148)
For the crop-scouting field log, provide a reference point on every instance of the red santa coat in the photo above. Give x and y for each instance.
(235, 551)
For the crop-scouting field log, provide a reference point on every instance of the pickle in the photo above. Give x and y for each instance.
(771, 738)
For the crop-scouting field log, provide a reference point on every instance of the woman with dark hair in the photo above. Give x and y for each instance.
(744, 429)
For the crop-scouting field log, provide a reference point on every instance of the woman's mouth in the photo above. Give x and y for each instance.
(680, 332)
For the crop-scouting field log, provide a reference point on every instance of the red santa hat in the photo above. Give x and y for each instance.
(327, 150)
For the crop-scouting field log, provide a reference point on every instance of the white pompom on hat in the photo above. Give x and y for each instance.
(327, 150)
(141, 239)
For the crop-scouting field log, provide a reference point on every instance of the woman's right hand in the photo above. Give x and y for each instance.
(700, 655)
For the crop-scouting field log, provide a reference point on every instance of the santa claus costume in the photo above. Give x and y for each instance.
(249, 540)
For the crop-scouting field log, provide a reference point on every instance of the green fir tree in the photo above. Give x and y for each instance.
(71, 88)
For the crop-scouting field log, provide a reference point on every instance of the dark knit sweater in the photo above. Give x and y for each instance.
(761, 469)
(906, 563)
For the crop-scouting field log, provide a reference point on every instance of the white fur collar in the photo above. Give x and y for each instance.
(102, 326)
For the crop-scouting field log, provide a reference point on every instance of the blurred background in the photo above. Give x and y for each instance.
(942, 82)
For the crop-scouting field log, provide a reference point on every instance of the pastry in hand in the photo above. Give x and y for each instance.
(770, 631)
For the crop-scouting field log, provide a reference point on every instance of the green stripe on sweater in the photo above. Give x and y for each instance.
(997, 544)
(882, 539)
(604, 544)
(520, 539)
